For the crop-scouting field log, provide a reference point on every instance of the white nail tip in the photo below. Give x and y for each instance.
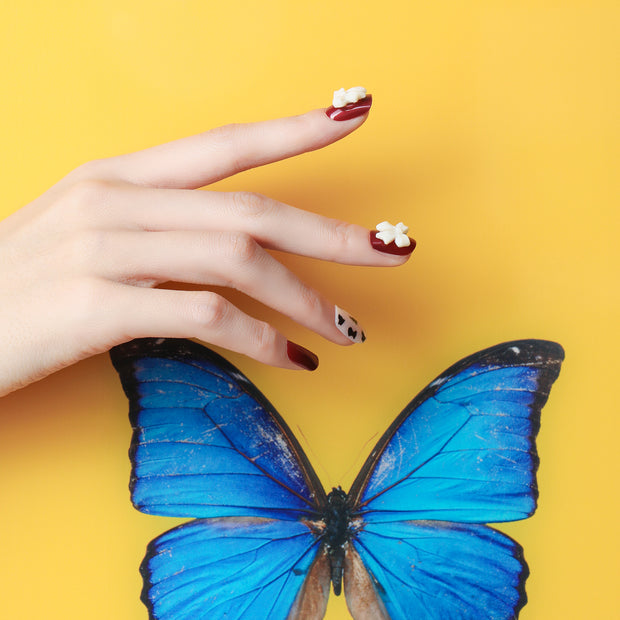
(348, 326)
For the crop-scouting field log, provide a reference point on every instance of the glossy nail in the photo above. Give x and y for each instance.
(349, 326)
(351, 110)
(300, 356)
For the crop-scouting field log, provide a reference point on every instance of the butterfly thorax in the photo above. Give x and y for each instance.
(337, 519)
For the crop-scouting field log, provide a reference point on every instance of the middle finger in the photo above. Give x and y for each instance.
(273, 224)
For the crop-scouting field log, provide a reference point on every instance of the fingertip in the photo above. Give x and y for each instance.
(339, 128)
(351, 111)
(301, 357)
(348, 326)
(403, 250)
(337, 122)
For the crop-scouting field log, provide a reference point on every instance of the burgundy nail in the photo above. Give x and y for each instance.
(391, 248)
(351, 110)
(300, 356)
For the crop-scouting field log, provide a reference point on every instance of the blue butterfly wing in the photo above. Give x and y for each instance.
(463, 450)
(230, 568)
(436, 570)
(206, 442)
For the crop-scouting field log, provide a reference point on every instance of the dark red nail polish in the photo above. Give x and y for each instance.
(391, 248)
(300, 356)
(351, 110)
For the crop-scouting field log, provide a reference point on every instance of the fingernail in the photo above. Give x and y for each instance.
(391, 239)
(300, 356)
(348, 104)
(349, 326)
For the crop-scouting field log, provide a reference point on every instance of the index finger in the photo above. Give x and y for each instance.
(199, 160)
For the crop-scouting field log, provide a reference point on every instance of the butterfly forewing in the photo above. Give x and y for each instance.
(206, 442)
(463, 450)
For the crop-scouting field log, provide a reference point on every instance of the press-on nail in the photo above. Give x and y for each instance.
(349, 326)
(392, 239)
(351, 110)
(300, 356)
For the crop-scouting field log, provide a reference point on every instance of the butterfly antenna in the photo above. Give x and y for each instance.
(359, 456)
(318, 464)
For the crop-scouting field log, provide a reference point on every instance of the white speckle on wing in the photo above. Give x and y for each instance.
(438, 381)
(515, 350)
(279, 451)
(385, 466)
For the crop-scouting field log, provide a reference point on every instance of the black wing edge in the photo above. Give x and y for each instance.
(525, 573)
(147, 584)
(518, 555)
(186, 351)
(529, 352)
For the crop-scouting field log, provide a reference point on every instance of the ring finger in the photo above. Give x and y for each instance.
(227, 259)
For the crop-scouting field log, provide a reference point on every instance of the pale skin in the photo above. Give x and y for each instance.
(79, 265)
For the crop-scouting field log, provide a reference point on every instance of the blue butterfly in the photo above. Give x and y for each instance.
(407, 540)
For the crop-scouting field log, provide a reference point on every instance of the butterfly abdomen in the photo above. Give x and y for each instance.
(337, 519)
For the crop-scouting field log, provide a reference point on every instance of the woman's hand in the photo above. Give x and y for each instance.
(80, 263)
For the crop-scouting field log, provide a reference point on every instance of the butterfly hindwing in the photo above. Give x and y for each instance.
(438, 570)
(206, 442)
(234, 568)
(463, 450)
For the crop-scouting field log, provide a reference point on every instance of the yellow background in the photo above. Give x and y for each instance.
(493, 136)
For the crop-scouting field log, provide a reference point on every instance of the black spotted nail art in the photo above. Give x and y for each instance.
(349, 326)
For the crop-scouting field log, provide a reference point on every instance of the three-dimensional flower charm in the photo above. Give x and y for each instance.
(343, 97)
(398, 234)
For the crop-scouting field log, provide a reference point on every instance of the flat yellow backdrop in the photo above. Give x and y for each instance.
(493, 136)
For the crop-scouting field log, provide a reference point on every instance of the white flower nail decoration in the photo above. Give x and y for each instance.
(343, 97)
(398, 234)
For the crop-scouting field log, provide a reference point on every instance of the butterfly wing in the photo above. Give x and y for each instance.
(463, 450)
(434, 570)
(206, 442)
(233, 568)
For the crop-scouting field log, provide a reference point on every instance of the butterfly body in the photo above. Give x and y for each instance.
(338, 529)
(409, 538)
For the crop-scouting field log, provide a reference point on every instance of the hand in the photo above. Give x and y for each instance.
(80, 263)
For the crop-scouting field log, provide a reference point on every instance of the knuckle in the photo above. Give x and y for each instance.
(89, 170)
(264, 341)
(340, 233)
(250, 205)
(208, 310)
(92, 303)
(242, 248)
(88, 306)
(87, 194)
(85, 247)
(310, 301)
(228, 139)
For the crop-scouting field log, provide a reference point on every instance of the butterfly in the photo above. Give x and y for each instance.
(408, 540)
